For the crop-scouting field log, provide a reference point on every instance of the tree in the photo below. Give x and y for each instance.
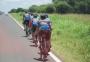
(20, 10)
(42, 8)
(63, 7)
(13, 11)
(60, 6)
(17, 10)
(71, 2)
(81, 7)
(78, 6)
(33, 8)
(50, 8)
(88, 7)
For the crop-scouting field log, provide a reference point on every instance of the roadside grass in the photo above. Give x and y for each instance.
(18, 17)
(70, 36)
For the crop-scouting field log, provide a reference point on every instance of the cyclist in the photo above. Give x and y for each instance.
(30, 22)
(26, 19)
(34, 28)
(44, 35)
(50, 26)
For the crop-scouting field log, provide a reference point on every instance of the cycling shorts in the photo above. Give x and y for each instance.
(26, 22)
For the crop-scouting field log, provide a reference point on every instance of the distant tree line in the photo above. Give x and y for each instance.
(17, 10)
(60, 6)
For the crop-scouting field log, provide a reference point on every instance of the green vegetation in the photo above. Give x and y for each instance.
(70, 36)
(59, 6)
(18, 17)
(71, 32)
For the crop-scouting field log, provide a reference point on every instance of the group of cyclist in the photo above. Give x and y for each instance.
(40, 28)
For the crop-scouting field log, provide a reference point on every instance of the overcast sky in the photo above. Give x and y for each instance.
(6, 5)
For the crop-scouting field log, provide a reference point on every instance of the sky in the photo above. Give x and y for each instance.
(7, 5)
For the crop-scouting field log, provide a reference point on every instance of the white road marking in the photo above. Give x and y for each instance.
(51, 54)
(54, 57)
(16, 21)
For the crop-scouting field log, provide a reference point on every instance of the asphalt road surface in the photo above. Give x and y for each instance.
(14, 46)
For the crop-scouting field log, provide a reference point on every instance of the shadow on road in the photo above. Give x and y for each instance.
(32, 45)
(24, 36)
(39, 59)
(29, 38)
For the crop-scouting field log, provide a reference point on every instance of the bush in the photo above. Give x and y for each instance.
(42, 8)
(13, 11)
(17, 10)
(20, 10)
(33, 8)
(63, 7)
(50, 8)
(88, 7)
(81, 7)
(60, 6)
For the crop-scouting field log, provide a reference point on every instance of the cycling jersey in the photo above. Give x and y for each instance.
(27, 17)
(35, 22)
(43, 25)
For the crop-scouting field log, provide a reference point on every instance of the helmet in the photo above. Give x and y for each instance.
(35, 15)
(43, 17)
(46, 15)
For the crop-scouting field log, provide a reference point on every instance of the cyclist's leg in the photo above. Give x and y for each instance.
(30, 27)
(32, 35)
(37, 34)
(44, 51)
(44, 45)
(40, 41)
(27, 28)
(24, 25)
(48, 40)
(36, 37)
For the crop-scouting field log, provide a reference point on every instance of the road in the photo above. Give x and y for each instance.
(14, 46)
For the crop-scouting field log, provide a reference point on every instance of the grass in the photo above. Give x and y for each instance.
(70, 36)
(18, 17)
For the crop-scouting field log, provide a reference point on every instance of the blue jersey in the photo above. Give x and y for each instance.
(35, 22)
(27, 17)
(44, 27)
